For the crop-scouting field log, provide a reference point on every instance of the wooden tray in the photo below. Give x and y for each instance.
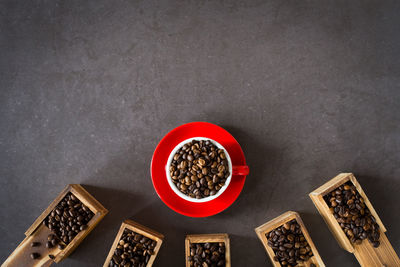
(140, 229)
(365, 253)
(38, 231)
(262, 230)
(211, 238)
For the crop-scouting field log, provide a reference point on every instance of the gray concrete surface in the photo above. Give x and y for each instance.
(88, 88)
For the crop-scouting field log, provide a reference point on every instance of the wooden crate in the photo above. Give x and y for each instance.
(38, 231)
(365, 253)
(264, 229)
(210, 238)
(140, 229)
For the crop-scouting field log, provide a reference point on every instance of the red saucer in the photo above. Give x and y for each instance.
(160, 158)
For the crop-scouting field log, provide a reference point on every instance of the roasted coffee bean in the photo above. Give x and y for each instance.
(68, 218)
(199, 169)
(51, 256)
(49, 244)
(54, 242)
(353, 215)
(207, 254)
(35, 244)
(35, 255)
(133, 250)
(289, 244)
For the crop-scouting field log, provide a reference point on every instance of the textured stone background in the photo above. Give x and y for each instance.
(88, 88)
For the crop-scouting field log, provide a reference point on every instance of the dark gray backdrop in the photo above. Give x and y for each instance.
(309, 89)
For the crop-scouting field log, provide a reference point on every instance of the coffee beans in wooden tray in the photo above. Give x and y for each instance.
(59, 229)
(353, 220)
(287, 241)
(353, 216)
(207, 250)
(134, 246)
(199, 168)
(65, 221)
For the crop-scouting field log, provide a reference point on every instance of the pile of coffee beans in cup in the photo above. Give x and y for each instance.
(207, 254)
(289, 244)
(353, 216)
(199, 169)
(68, 218)
(133, 250)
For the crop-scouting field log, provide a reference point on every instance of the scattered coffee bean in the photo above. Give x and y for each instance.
(35, 244)
(35, 255)
(133, 250)
(51, 256)
(199, 169)
(207, 254)
(68, 218)
(353, 216)
(289, 244)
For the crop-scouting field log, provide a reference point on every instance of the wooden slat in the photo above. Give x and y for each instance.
(210, 238)
(262, 230)
(332, 184)
(21, 255)
(384, 255)
(37, 227)
(365, 253)
(140, 229)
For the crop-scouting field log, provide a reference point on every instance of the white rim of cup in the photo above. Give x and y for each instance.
(186, 197)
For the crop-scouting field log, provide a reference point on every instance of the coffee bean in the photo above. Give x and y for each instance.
(289, 244)
(35, 255)
(375, 244)
(54, 242)
(50, 237)
(206, 254)
(198, 166)
(49, 244)
(35, 244)
(353, 215)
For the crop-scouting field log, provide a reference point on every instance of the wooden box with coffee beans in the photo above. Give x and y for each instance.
(207, 250)
(288, 243)
(59, 229)
(353, 221)
(134, 245)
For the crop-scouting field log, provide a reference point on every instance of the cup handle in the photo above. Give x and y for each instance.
(240, 170)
